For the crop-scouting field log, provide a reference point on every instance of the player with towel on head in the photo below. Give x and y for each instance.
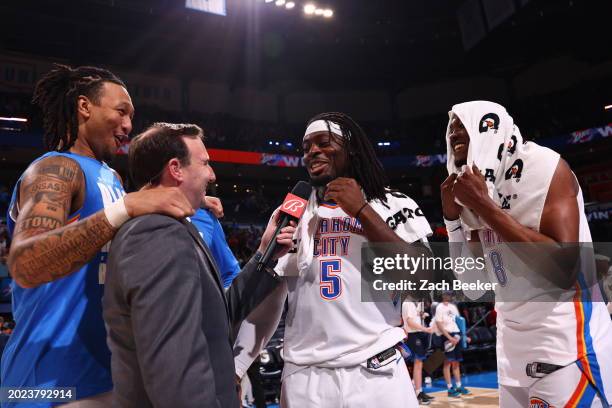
(340, 351)
(554, 353)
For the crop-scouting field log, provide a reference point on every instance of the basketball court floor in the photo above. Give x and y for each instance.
(483, 387)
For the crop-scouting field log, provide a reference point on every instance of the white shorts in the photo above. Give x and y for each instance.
(566, 387)
(389, 386)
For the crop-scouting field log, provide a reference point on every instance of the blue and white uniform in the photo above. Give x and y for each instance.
(59, 338)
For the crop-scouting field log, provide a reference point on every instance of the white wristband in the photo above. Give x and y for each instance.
(116, 213)
(452, 225)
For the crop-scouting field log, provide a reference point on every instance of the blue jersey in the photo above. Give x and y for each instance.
(59, 338)
(210, 229)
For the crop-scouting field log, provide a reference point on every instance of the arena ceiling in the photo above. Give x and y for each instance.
(388, 44)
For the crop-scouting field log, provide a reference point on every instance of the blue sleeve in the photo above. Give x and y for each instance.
(228, 264)
(204, 222)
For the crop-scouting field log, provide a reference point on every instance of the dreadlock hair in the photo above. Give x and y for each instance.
(57, 92)
(364, 166)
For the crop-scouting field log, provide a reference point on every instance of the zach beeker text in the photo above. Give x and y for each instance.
(423, 284)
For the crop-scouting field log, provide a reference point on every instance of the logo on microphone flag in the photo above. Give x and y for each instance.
(294, 205)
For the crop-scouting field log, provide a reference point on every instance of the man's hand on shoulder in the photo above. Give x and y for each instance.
(160, 200)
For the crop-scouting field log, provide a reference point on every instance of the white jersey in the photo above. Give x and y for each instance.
(561, 332)
(412, 311)
(446, 314)
(327, 323)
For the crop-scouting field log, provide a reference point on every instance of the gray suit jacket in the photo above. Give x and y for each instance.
(169, 321)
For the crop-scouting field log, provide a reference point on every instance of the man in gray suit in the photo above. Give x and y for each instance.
(169, 319)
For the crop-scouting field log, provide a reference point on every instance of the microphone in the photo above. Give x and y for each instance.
(292, 210)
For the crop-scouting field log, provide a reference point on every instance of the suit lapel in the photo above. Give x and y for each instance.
(214, 270)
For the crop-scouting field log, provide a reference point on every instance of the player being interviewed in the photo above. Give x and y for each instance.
(340, 351)
(555, 353)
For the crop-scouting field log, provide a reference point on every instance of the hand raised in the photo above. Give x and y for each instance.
(471, 189)
(450, 209)
(214, 205)
(346, 193)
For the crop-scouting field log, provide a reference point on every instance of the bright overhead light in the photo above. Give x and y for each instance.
(13, 119)
(309, 8)
(290, 5)
(269, 1)
(608, 107)
(280, 3)
(328, 13)
(319, 12)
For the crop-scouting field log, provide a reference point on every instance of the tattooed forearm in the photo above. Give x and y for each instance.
(47, 223)
(44, 248)
(57, 253)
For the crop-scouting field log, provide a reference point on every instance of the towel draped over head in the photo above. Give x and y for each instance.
(517, 173)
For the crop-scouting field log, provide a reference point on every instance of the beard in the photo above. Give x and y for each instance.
(321, 181)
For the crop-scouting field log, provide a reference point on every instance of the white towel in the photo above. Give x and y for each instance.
(518, 173)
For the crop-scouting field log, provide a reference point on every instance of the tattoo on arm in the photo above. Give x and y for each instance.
(49, 256)
(44, 248)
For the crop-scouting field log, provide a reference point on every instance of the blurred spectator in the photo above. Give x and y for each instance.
(4, 248)
(5, 199)
(7, 328)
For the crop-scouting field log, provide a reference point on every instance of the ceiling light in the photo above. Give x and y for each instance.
(280, 3)
(9, 119)
(290, 5)
(309, 8)
(328, 13)
(319, 12)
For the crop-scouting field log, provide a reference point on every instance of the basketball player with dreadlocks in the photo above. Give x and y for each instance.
(65, 209)
(340, 351)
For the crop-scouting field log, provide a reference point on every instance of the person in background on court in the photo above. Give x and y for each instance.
(450, 339)
(417, 341)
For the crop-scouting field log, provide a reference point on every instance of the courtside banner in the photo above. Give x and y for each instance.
(234, 156)
(560, 142)
(294, 205)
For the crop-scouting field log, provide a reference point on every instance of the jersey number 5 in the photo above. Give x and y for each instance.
(331, 285)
